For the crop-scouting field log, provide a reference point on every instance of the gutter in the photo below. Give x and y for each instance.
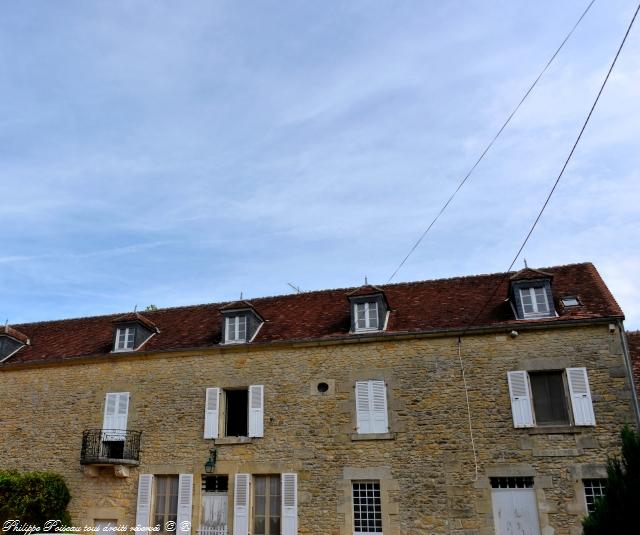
(629, 366)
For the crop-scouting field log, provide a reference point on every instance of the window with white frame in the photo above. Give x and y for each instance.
(593, 489)
(371, 407)
(235, 329)
(125, 338)
(165, 511)
(234, 412)
(367, 507)
(539, 398)
(534, 301)
(366, 316)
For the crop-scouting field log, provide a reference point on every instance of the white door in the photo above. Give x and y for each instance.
(214, 513)
(515, 512)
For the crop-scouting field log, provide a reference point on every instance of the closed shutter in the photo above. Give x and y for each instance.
(185, 490)
(143, 509)
(580, 396)
(289, 504)
(116, 410)
(211, 408)
(256, 411)
(241, 505)
(378, 394)
(363, 408)
(520, 399)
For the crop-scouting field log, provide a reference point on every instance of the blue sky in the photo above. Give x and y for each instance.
(179, 153)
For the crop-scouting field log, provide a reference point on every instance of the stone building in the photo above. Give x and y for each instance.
(471, 405)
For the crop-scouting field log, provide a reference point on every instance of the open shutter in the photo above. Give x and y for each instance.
(363, 408)
(241, 505)
(116, 410)
(580, 396)
(289, 504)
(185, 490)
(143, 509)
(256, 411)
(378, 396)
(211, 408)
(520, 399)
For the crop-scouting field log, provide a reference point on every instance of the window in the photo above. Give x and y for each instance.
(367, 507)
(266, 505)
(593, 489)
(540, 398)
(570, 302)
(371, 407)
(367, 316)
(237, 412)
(236, 329)
(125, 337)
(214, 503)
(534, 301)
(166, 502)
(549, 398)
(8, 346)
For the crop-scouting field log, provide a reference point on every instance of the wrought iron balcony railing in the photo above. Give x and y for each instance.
(110, 446)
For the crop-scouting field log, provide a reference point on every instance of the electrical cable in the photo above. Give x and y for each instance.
(488, 147)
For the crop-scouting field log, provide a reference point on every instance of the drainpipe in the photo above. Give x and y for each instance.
(629, 366)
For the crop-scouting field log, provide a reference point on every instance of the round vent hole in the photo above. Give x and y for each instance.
(323, 387)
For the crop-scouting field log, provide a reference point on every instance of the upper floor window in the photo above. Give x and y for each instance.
(371, 407)
(236, 329)
(367, 316)
(234, 412)
(544, 397)
(125, 338)
(534, 301)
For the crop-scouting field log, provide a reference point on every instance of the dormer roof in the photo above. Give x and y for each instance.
(530, 274)
(136, 317)
(14, 333)
(239, 306)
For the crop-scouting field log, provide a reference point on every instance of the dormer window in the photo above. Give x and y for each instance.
(236, 329)
(125, 338)
(11, 341)
(531, 295)
(241, 322)
(367, 316)
(369, 309)
(570, 301)
(131, 332)
(534, 301)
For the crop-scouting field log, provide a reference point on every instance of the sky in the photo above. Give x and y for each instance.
(174, 153)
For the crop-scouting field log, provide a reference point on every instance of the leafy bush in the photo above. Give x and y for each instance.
(617, 511)
(33, 497)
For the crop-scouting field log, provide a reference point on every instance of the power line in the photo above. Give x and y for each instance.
(557, 181)
(504, 125)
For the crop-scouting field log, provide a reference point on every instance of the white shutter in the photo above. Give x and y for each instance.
(256, 411)
(185, 490)
(520, 399)
(580, 396)
(363, 408)
(116, 410)
(143, 509)
(378, 397)
(241, 505)
(211, 408)
(289, 504)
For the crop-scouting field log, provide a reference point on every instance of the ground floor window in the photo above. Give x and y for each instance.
(367, 507)
(266, 505)
(593, 489)
(166, 503)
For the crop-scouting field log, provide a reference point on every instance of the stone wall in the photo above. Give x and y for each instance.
(425, 463)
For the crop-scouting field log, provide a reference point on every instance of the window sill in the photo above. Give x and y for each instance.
(556, 430)
(372, 436)
(234, 440)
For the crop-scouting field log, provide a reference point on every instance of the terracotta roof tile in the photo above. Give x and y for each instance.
(633, 340)
(426, 306)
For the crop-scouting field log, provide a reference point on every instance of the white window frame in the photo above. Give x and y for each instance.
(369, 505)
(600, 488)
(232, 327)
(129, 336)
(531, 290)
(367, 316)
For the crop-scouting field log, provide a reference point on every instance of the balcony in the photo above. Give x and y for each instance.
(110, 447)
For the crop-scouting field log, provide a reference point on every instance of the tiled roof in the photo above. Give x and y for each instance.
(633, 339)
(416, 307)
